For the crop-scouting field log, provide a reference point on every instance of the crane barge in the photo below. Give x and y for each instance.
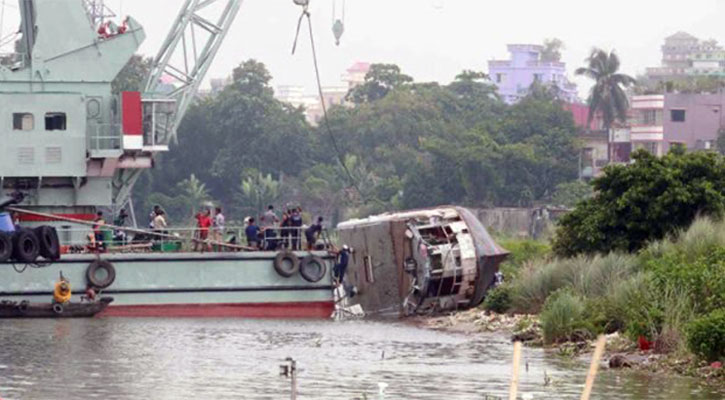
(72, 146)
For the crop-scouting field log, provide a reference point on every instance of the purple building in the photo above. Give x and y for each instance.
(691, 120)
(514, 77)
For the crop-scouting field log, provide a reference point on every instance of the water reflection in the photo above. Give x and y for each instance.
(233, 359)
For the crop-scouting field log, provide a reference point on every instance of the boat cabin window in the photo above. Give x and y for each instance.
(55, 121)
(23, 122)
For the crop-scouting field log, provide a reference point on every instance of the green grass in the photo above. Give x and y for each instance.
(657, 293)
(562, 318)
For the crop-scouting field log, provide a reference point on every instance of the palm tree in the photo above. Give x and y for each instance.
(258, 190)
(195, 192)
(607, 96)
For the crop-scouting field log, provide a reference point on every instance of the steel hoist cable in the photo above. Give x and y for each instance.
(333, 140)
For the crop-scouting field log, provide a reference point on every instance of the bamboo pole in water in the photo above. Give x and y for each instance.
(513, 391)
(125, 229)
(594, 367)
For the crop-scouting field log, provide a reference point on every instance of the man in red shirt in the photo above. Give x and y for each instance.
(203, 224)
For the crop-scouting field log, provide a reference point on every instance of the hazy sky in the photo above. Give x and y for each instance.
(436, 39)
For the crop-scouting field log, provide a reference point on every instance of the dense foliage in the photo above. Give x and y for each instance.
(706, 336)
(404, 145)
(643, 202)
(671, 293)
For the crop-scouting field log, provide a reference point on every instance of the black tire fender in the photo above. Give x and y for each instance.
(96, 282)
(286, 263)
(313, 269)
(26, 247)
(49, 242)
(58, 308)
(6, 247)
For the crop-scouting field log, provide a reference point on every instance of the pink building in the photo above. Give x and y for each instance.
(355, 75)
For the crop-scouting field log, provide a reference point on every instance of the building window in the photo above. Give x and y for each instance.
(55, 121)
(23, 122)
(500, 78)
(677, 115)
(537, 77)
(649, 117)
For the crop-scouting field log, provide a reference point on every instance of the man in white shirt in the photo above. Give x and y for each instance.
(219, 224)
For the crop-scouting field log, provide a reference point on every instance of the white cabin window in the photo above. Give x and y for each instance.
(23, 122)
(55, 121)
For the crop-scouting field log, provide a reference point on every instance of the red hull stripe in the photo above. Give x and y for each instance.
(300, 310)
(33, 218)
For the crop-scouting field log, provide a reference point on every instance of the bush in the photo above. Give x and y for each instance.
(588, 277)
(621, 304)
(498, 300)
(563, 318)
(522, 251)
(696, 271)
(643, 202)
(706, 336)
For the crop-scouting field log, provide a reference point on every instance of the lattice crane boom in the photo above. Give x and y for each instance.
(188, 51)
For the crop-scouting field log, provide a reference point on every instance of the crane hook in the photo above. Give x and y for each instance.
(338, 28)
(338, 25)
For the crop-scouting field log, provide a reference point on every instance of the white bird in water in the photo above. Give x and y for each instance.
(381, 390)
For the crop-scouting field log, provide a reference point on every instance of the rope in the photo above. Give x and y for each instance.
(340, 159)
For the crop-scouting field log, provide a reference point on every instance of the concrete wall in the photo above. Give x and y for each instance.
(520, 222)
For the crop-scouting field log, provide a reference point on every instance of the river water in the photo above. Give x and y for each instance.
(240, 359)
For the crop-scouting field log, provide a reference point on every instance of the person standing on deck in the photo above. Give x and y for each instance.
(269, 222)
(252, 233)
(153, 215)
(343, 259)
(160, 223)
(312, 234)
(284, 230)
(119, 235)
(98, 223)
(204, 222)
(219, 225)
(295, 222)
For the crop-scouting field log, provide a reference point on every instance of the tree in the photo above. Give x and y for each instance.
(569, 194)
(379, 81)
(132, 77)
(195, 193)
(643, 202)
(607, 97)
(257, 191)
(242, 127)
(552, 50)
(721, 141)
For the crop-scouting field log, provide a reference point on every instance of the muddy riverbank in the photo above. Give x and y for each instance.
(621, 352)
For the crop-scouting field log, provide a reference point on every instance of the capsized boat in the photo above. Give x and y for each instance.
(26, 309)
(419, 261)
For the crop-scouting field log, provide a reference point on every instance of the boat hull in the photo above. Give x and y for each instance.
(219, 285)
(50, 310)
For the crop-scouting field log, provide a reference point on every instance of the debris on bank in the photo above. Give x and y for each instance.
(524, 328)
(621, 352)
